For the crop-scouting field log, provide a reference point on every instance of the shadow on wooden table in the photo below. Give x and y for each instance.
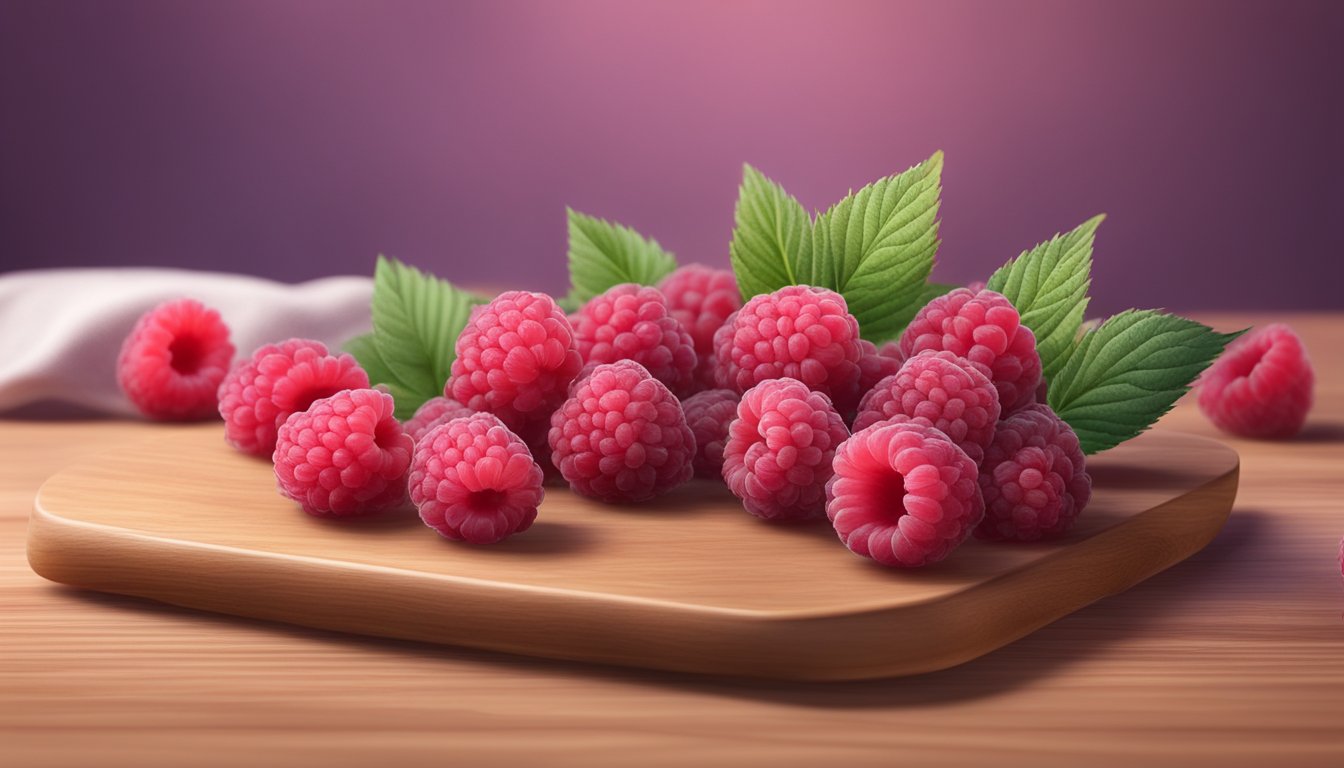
(1045, 653)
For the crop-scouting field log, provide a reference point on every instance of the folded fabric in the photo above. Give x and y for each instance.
(61, 329)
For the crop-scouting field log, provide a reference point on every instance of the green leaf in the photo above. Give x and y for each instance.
(1048, 284)
(1121, 377)
(416, 321)
(877, 247)
(603, 254)
(932, 291)
(772, 238)
(365, 351)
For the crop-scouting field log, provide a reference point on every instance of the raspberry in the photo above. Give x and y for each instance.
(702, 298)
(633, 322)
(172, 362)
(939, 390)
(515, 359)
(986, 329)
(279, 379)
(778, 455)
(1261, 386)
(797, 332)
(473, 480)
(877, 363)
(708, 414)
(622, 436)
(432, 413)
(903, 494)
(1034, 478)
(346, 455)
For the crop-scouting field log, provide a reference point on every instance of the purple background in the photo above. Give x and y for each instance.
(298, 139)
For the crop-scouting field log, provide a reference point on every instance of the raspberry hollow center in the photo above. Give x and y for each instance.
(186, 353)
(486, 501)
(889, 494)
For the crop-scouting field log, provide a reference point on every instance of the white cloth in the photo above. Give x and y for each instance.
(61, 329)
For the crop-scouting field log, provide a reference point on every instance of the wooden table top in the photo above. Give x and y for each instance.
(1235, 657)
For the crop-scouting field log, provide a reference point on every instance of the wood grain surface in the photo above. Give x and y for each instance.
(686, 583)
(1234, 657)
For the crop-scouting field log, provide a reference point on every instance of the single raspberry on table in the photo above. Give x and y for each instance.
(797, 332)
(171, 364)
(939, 390)
(702, 298)
(1034, 478)
(877, 363)
(622, 436)
(634, 322)
(278, 380)
(432, 413)
(474, 480)
(515, 359)
(778, 455)
(903, 494)
(1261, 386)
(346, 455)
(986, 329)
(708, 414)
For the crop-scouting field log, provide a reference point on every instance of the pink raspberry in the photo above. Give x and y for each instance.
(172, 362)
(986, 329)
(778, 455)
(708, 414)
(346, 455)
(702, 298)
(515, 359)
(903, 494)
(1261, 386)
(622, 437)
(939, 390)
(473, 480)
(877, 363)
(432, 413)
(279, 379)
(1034, 478)
(633, 322)
(798, 332)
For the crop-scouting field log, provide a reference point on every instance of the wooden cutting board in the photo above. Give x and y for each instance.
(689, 583)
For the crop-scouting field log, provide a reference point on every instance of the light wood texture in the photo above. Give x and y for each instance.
(1234, 657)
(687, 583)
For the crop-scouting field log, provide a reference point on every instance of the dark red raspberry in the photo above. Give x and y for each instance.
(346, 455)
(939, 390)
(877, 363)
(622, 437)
(798, 332)
(172, 362)
(903, 494)
(473, 480)
(986, 329)
(515, 359)
(702, 298)
(1261, 386)
(1034, 478)
(634, 322)
(432, 413)
(708, 414)
(279, 379)
(778, 455)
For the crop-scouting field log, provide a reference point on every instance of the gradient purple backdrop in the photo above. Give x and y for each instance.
(298, 139)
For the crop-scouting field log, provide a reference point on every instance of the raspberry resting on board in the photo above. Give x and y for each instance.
(173, 360)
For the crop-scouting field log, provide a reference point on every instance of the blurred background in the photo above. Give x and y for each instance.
(298, 139)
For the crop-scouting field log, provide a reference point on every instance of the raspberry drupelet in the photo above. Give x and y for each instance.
(278, 380)
(345, 455)
(702, 298)
(708, 414)
(634, 322)
(474, 480)
(940, 390)
(778, 455)
(432, 413)
(903, 494)
(986, 329)
(622, 436)
(1261, 386)
(515, 359)
(877, 363)
(1034, 478)
(171, 364)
